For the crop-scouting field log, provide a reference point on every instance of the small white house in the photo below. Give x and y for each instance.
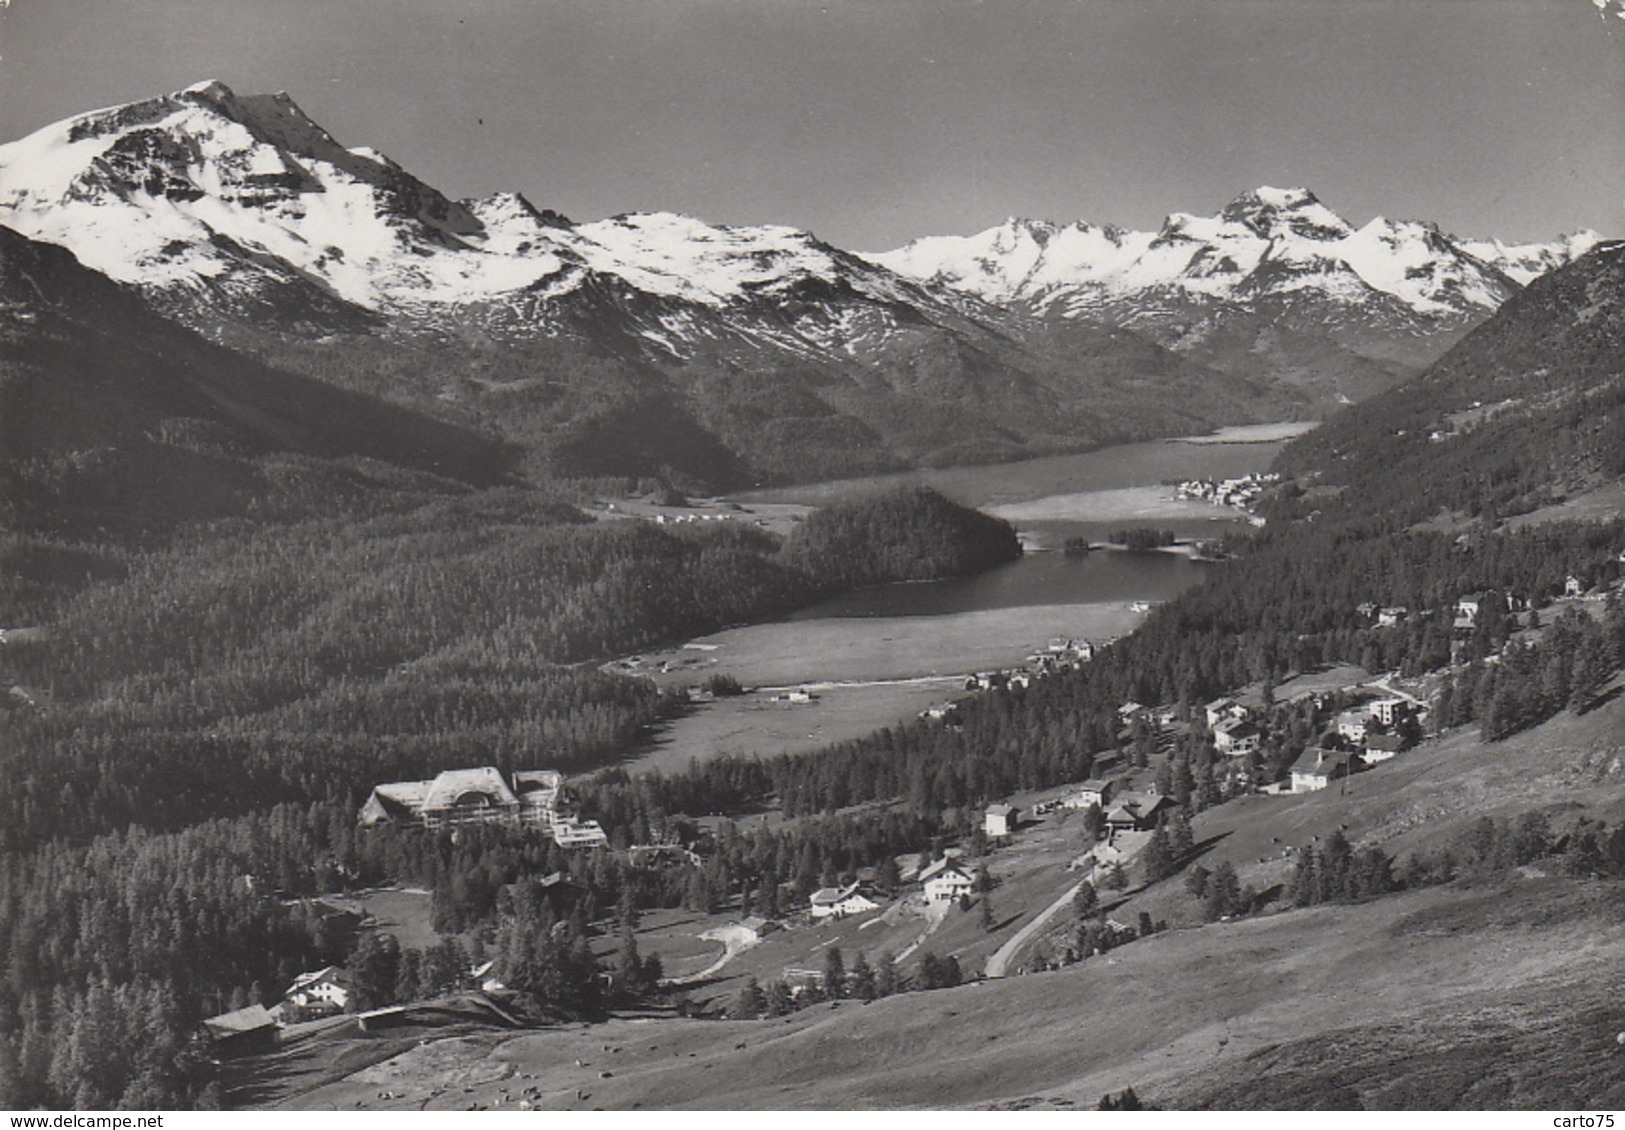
(838, 902)
(1221, 710)
(1236, 737)
(325, 990)
(1092, 792)
(1000, 821)
(1352, 725)
(947, 881)
(1318, 768)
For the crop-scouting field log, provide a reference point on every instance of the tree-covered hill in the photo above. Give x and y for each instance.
(1527, 409)
(908, 534)
(116, 422)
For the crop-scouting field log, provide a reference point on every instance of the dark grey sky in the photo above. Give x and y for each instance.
(871, 123)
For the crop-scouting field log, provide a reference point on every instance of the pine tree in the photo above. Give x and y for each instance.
(863, 981)
(751, 1002)
(834, 973)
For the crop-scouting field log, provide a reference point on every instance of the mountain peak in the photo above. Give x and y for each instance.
(210, 89)
(1272, 212)
(1284, 199)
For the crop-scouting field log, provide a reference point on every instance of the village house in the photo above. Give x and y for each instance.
(326, 991)
(757, 926)
(947, 880)
(1388, 617)
(246, 1031)
(1352, 725)
(1317, 768)
(838, 902)
(1000, 821)
(1572, 586)
(1092, 792)
(1236, 737)
(1382, 747)
(1221, 710)
(468, 796)
(1138, 812)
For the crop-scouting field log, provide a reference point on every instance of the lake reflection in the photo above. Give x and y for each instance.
(1038, 578)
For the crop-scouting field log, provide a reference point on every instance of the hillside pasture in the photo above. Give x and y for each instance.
(1311, 1009)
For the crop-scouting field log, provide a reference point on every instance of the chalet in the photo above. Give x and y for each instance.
(467, 796)
(1352, 725)
(757, 926)
(568, 832)
(947, 880)
(1382, 747)
(1236, 737)
(1394, 614)
(1138, 812)
(326, 990)
(1129, 711)
(1469, 607)
(1221, 710)
(1572, 586)
(1318, 768)
(838, 902)
(1000, 820)
(1092, 792)
(247, 1031)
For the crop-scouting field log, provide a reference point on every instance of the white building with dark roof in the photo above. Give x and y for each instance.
(468, 796)
(838, 902)
(1000, 820)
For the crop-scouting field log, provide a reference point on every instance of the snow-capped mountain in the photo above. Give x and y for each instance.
(1275, 280)
(213, 200)
(1269, 241)
(242, 218)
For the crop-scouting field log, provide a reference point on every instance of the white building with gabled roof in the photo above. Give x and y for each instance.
(458, 797)
(947, 880)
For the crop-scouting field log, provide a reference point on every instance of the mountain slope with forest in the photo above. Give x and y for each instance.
(114, 419)
(1526, 410)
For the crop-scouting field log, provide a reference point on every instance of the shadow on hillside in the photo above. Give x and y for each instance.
(1601, 700)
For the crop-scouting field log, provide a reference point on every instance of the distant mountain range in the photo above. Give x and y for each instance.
(659, 344)
(1275, 284)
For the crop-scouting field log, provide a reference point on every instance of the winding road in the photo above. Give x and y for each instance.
(997, 964)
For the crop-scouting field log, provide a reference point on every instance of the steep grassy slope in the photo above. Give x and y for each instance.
(1439, 999)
